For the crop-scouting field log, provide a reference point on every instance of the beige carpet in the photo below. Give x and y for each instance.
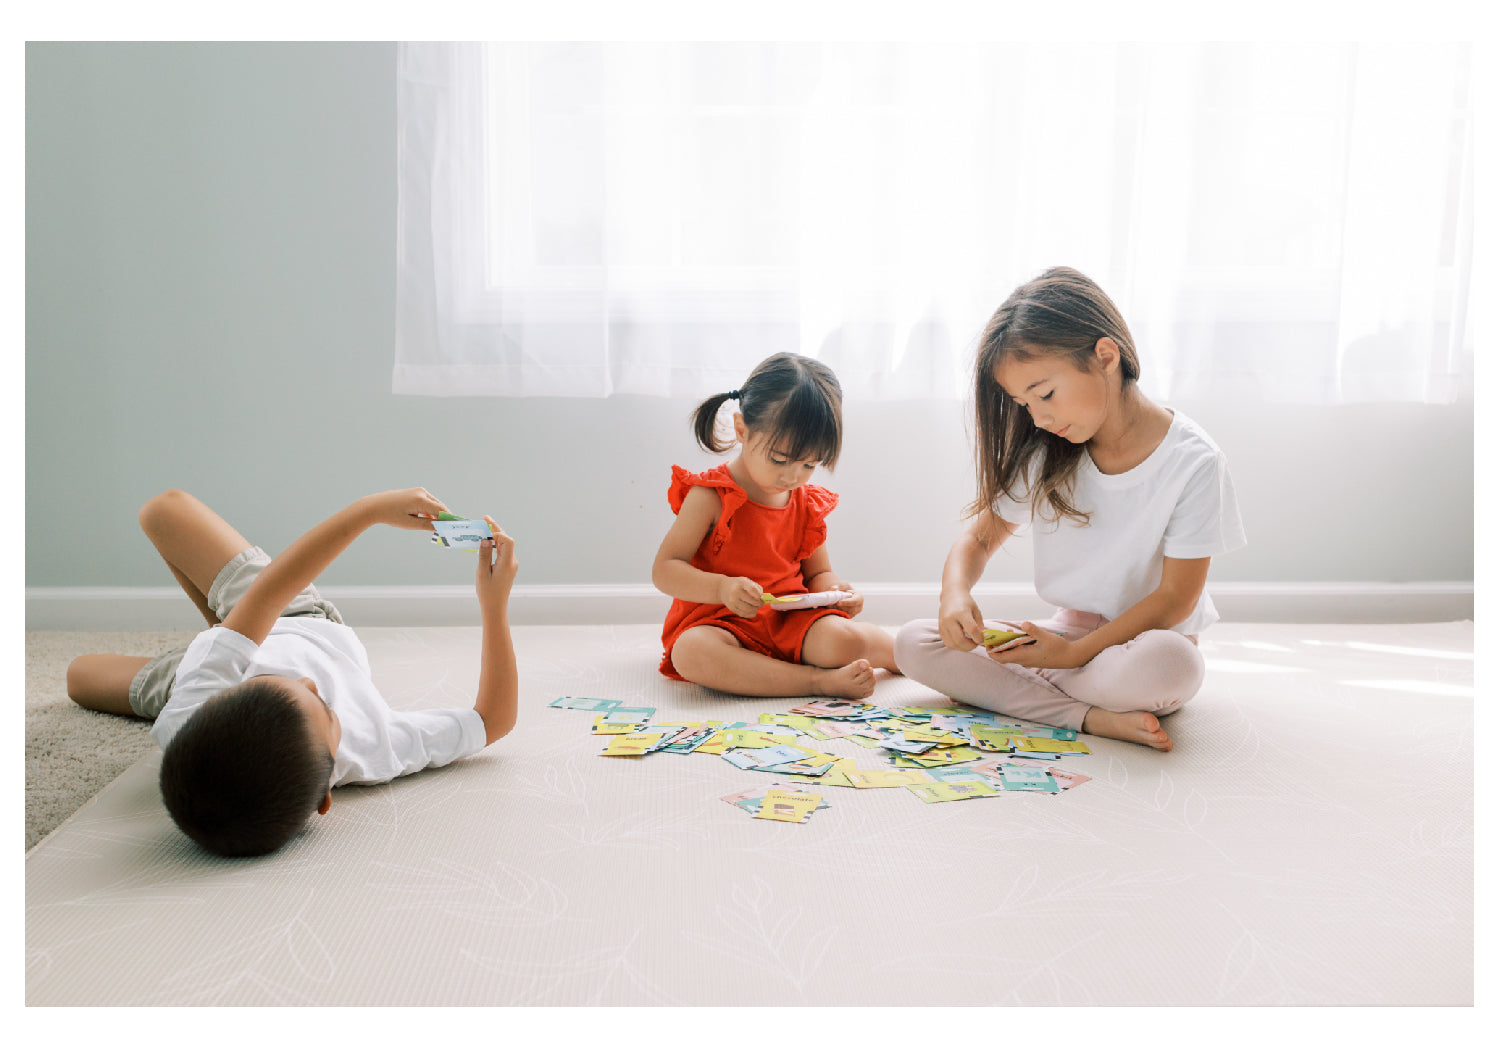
(72, 753)
(1309, 842)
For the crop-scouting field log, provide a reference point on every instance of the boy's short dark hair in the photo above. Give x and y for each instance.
(243, 773)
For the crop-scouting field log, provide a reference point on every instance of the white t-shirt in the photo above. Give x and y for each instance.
(1178, 503)
(377, 743)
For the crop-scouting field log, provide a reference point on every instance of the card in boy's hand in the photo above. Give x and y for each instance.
(460, 535)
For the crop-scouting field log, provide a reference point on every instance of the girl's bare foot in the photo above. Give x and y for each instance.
(1133, 726)
(855, 681)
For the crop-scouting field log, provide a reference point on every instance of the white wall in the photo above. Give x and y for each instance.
(209, 292)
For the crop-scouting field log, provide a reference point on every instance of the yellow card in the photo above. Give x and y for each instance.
(750, 738)
(887, 777)
(798, 721)
(931, 792)
(991, 738)
(942, 739)
(834, 777)
(715, 744)
(632, 746)
(1043, 745)
(601, 729)
(994, 637)
(951, 756)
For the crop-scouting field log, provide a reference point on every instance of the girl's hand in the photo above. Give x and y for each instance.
(410, 508)
(1041, 650)
(496, 570)
(854, 603)
(741, 596)
(959, 623)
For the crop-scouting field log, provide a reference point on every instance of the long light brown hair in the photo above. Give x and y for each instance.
(1060, 313)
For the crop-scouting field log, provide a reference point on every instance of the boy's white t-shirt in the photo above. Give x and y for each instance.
(377, 743)
(1178, 503)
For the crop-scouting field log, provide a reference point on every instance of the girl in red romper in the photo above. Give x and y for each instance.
(754, 527)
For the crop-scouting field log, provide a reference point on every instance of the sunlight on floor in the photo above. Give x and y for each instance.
(1261, 646)
(1439, 688)
(1237, 666)
(1397, 650)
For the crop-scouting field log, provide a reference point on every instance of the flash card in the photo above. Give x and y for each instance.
(788, 602)
(1015, 777)
(1033, 746)
(780, 755)
(752, 799)
(886, 777)
(631, 746)
(952, 791)
(991, 739)
(583, 703)
(460, 535)
(788, 806)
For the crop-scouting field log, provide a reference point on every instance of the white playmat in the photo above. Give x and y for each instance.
(1309, 842)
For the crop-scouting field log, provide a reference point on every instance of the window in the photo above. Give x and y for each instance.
(596, 218)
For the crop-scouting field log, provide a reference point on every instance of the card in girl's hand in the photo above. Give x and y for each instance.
(789, 602)
(459, 534)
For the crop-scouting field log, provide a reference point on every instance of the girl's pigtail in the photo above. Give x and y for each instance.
(705, 423)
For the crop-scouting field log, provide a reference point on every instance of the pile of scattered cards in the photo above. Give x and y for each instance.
(937, 753)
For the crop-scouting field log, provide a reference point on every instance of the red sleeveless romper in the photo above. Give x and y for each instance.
(765, 543)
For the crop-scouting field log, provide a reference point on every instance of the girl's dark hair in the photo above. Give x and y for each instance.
(245, 771)
(792, 401)
(1060, 313)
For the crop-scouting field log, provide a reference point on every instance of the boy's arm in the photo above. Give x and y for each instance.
(302, 562)
(673, 573)
(498, 686)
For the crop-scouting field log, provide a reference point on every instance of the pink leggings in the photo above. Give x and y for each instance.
(1157, 671)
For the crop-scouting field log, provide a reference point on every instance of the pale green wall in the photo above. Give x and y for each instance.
(210, 296)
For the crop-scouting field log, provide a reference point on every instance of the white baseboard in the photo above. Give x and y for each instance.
(165, 608)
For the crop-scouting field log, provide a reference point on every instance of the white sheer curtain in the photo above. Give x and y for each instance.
(1275, 220)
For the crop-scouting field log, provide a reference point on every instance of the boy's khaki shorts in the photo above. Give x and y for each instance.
(152, 684)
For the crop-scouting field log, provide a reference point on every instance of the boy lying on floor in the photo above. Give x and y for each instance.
(273, 705)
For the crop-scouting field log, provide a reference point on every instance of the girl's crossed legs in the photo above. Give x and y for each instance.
(839, 658)
(1121, 693)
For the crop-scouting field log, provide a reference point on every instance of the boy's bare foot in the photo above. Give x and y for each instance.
(855, 681)
(1133, 726)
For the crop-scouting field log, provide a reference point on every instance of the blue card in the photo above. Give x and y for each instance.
(1017, 778)
(583, 703)
(460, 535)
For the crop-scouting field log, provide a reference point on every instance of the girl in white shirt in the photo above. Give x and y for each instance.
(1128, 502)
